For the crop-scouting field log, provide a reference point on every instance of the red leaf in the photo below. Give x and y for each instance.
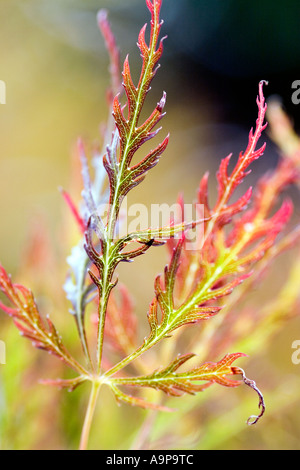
(30, 323)
(74, 211)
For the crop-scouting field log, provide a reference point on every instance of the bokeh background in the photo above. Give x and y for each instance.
(55, 67)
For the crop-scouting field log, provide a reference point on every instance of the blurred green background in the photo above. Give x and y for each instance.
(55, 67)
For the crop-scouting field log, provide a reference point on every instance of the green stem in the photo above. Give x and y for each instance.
(127, 360)
(102, 315)
(83, 340)
(89, 416)
(102, 310)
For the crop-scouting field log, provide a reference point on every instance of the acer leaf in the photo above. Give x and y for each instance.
(221, 262)
(79, 289)
(172, 317)
(113, 50)
(175, 384)
(227, 184)
(127, 137)
(131, 134)
(28, 320)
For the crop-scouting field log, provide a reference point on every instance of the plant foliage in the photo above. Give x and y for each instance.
(239, 235)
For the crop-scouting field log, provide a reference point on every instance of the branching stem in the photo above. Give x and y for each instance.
(115, 203)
